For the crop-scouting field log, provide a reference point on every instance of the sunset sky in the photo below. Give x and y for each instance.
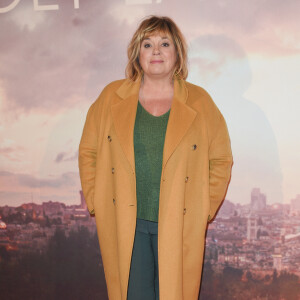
(54, 63)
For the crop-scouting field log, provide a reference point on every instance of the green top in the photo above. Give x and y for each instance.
(149, 137)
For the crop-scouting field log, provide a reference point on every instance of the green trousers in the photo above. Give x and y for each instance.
(143, 278)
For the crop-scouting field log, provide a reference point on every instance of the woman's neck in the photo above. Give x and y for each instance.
(156, 88)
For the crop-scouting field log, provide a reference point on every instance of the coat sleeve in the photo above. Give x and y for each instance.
(220, 163)
(87, 156)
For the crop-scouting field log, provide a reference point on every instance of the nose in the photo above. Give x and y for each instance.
(156, 50)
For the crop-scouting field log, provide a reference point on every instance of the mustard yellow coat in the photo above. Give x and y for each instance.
(196, 170)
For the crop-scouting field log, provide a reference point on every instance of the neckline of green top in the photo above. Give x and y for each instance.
(163, 115)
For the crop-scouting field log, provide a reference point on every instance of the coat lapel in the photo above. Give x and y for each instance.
(124, 108)
(180, 119)
(123, 111)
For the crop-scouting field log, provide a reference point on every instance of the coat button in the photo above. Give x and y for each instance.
(109, 138)
(113, 170)
(194, 147)
(114, 201)
(184, 211)
(186, 179)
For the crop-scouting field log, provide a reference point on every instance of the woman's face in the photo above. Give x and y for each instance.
(158, 56)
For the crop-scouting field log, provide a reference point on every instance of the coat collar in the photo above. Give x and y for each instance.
(129, 88)
(124, 111)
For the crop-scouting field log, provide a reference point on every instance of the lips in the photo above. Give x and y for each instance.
(156, 61)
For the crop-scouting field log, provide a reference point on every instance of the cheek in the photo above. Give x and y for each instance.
(173, 58)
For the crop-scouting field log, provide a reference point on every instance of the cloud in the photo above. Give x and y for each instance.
(53, 60)
(218, 57)
(5, 173)
(18, 188)
(268, 27)
(63, 156)
(66, 179)
(60, 157)
(61, 61)
(127, 14)
(12, 198)
(26, 180)
(11, 151)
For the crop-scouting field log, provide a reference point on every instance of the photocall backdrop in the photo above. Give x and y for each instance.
(55, 58)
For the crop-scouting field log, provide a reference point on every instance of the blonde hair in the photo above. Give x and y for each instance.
(148, 27)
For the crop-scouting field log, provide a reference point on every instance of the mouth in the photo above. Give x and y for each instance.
(156, 61)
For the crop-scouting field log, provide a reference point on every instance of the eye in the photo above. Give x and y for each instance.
(165, 44)
(147, 45)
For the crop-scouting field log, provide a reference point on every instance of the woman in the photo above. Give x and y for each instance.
(155, 162)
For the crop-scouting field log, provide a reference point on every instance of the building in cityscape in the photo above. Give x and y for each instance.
(295, 206)
(82, 200)
(258, 200)
(252, 228)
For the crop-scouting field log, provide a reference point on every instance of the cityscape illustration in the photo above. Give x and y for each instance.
(258, 239)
